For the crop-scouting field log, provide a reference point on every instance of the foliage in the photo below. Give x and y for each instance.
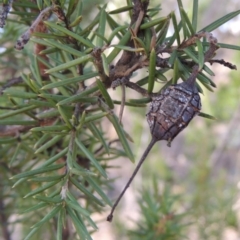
(55, 102)
(159, 217)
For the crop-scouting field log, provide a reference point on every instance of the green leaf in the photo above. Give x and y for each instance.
(95, 117)
(70, 81)
(140, 42)
(121, 9)
(98, 35)
(60, 224)
(81, 122)
(15, 112)
(31, 233)
(195, 15)
(78, 96)
(18, 122)
(92, 223)
(105, 94)
(208, 70)
(48, 114)
(101, 27)
(37, 171)
(82, 232)
(7, 140)
(176, 72)
(41, 140)
(172, 58)
(153, 22)
(113, 25)
(50, 128)
(220, 21)
(152, 70)
(42, 103)
(82, 40)
(113, 119)
(82, 173)
(129, 49)
(86, 192)
(114, 33)
(48, 144)
(75, 22)
(229, 46)
(200, 54)
(205, 115)
(163, 33)
(98, 189)
(99, 135)
(207, 86)
(70, 64)
(49, 200)
(105, 64)
(15, 155)
(159, 75)
(48, 216)
(75, 205)
(204, 79)
(90, 156)
(41, 189)
(79, 99)
(89, 28)
(65, 48)
(191, 54)
(116, 51)
(130, 104)
(64, 115)
(35, 207)
(183, 21)
(54, 97)
(69, 160)
(175, 25)
(71, 7)
(187, 21)
(46, 179)
(148, 40)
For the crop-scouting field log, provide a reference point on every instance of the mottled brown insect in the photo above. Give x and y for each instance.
(172, 110)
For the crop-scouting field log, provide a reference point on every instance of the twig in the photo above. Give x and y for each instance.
(10, 83)
(137, 88)
(192, 40)
(23, 40)
(224, 63)
(97, 60)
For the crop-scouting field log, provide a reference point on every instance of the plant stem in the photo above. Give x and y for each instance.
(148, 149)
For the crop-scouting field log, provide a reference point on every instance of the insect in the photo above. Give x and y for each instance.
(170, 112)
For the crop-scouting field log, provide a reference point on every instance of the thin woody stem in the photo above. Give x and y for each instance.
(151, 144)
(137, 88)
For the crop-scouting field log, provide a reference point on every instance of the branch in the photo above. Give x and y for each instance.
(10, 83)
(129, 60)
(23, 40)
(224, 63)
